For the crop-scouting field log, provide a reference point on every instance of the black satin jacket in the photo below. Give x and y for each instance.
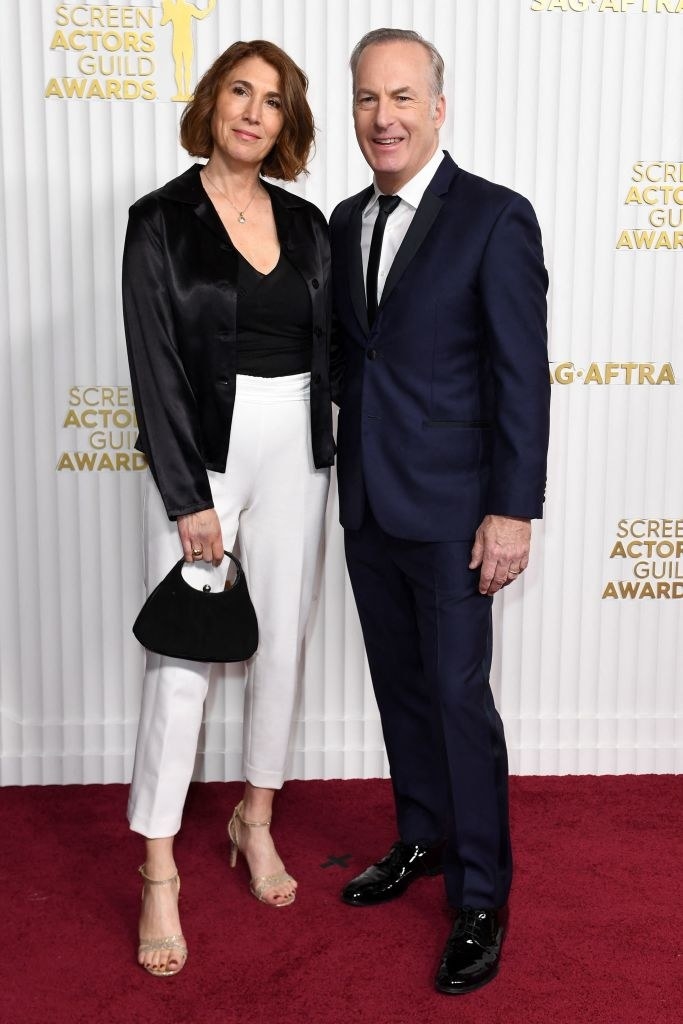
(180, 308)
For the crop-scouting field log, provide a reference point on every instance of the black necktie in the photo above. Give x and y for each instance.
(387, 205)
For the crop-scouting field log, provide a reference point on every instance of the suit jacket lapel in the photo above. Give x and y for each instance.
(355, 259)
(425, 215)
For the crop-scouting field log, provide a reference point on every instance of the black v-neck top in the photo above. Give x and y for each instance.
(274, 320)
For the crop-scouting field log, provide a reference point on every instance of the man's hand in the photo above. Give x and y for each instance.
(201, 536)
(501, 548)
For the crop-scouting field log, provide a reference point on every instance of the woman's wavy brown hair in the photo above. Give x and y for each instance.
(288, 157)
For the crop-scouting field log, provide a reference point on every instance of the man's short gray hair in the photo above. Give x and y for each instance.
(401, 35)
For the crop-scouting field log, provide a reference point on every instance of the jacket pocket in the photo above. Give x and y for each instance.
(456, 424)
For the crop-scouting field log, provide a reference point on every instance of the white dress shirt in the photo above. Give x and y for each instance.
(399, 221)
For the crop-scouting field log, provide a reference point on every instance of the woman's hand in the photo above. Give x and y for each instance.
(201, 536)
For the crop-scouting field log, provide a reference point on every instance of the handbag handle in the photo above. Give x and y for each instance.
(229, 584)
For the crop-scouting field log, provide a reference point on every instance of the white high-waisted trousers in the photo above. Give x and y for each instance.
(275, 497)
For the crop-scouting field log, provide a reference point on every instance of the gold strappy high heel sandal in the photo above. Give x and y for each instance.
(175, 942)
(261, 884)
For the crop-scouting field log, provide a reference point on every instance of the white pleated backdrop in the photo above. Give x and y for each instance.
(560, 100)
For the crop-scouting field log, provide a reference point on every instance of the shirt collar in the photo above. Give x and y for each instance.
(413, 190)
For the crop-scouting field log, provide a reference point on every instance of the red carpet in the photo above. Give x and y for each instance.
(594, 932)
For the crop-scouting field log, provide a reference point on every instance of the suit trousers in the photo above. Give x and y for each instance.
(272, 498)
(427, 633)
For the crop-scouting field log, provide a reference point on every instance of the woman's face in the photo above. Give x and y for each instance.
(247, 118)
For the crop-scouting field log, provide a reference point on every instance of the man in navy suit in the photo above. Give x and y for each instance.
(439, 293)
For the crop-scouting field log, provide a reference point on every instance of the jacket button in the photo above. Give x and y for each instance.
(318, 331)
(315, 282)
(372, 353)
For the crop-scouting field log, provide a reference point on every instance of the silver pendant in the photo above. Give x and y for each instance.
(242, 219)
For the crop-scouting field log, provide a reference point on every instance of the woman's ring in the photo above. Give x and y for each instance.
(197, 552)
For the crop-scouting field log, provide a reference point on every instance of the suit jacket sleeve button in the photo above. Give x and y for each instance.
(318, 331)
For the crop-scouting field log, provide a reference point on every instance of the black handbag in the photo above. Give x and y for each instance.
(200, 625)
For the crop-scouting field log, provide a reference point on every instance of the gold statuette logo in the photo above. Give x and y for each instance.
(180, 14)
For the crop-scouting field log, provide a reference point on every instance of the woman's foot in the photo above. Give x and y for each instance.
(162, 950)
(270, 883)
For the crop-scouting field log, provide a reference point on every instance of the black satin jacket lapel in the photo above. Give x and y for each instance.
(290, 229)
(207, 214)
(293, 240)
(188, 188)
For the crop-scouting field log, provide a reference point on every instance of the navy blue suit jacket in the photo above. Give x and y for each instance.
(444, 403)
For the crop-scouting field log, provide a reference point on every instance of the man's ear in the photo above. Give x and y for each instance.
(440, 111)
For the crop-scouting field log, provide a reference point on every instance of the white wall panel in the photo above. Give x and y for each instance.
(557, 104)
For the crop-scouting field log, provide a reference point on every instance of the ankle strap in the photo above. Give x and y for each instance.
(156, 881)
(250, 824)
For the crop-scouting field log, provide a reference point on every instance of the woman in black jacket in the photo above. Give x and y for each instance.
(225, 289)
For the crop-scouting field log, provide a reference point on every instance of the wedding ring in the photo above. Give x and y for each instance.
(511, 572)
(197, 552)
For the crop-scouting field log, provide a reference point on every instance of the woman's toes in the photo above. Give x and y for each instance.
(282, 896)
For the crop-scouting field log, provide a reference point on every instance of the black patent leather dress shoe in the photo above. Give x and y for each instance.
(392, 875)
(472, 952)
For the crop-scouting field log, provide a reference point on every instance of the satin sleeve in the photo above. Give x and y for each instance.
(165, 405)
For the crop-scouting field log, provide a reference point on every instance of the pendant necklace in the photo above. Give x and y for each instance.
(240, 213)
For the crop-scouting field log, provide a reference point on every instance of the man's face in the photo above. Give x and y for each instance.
(396, 116)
